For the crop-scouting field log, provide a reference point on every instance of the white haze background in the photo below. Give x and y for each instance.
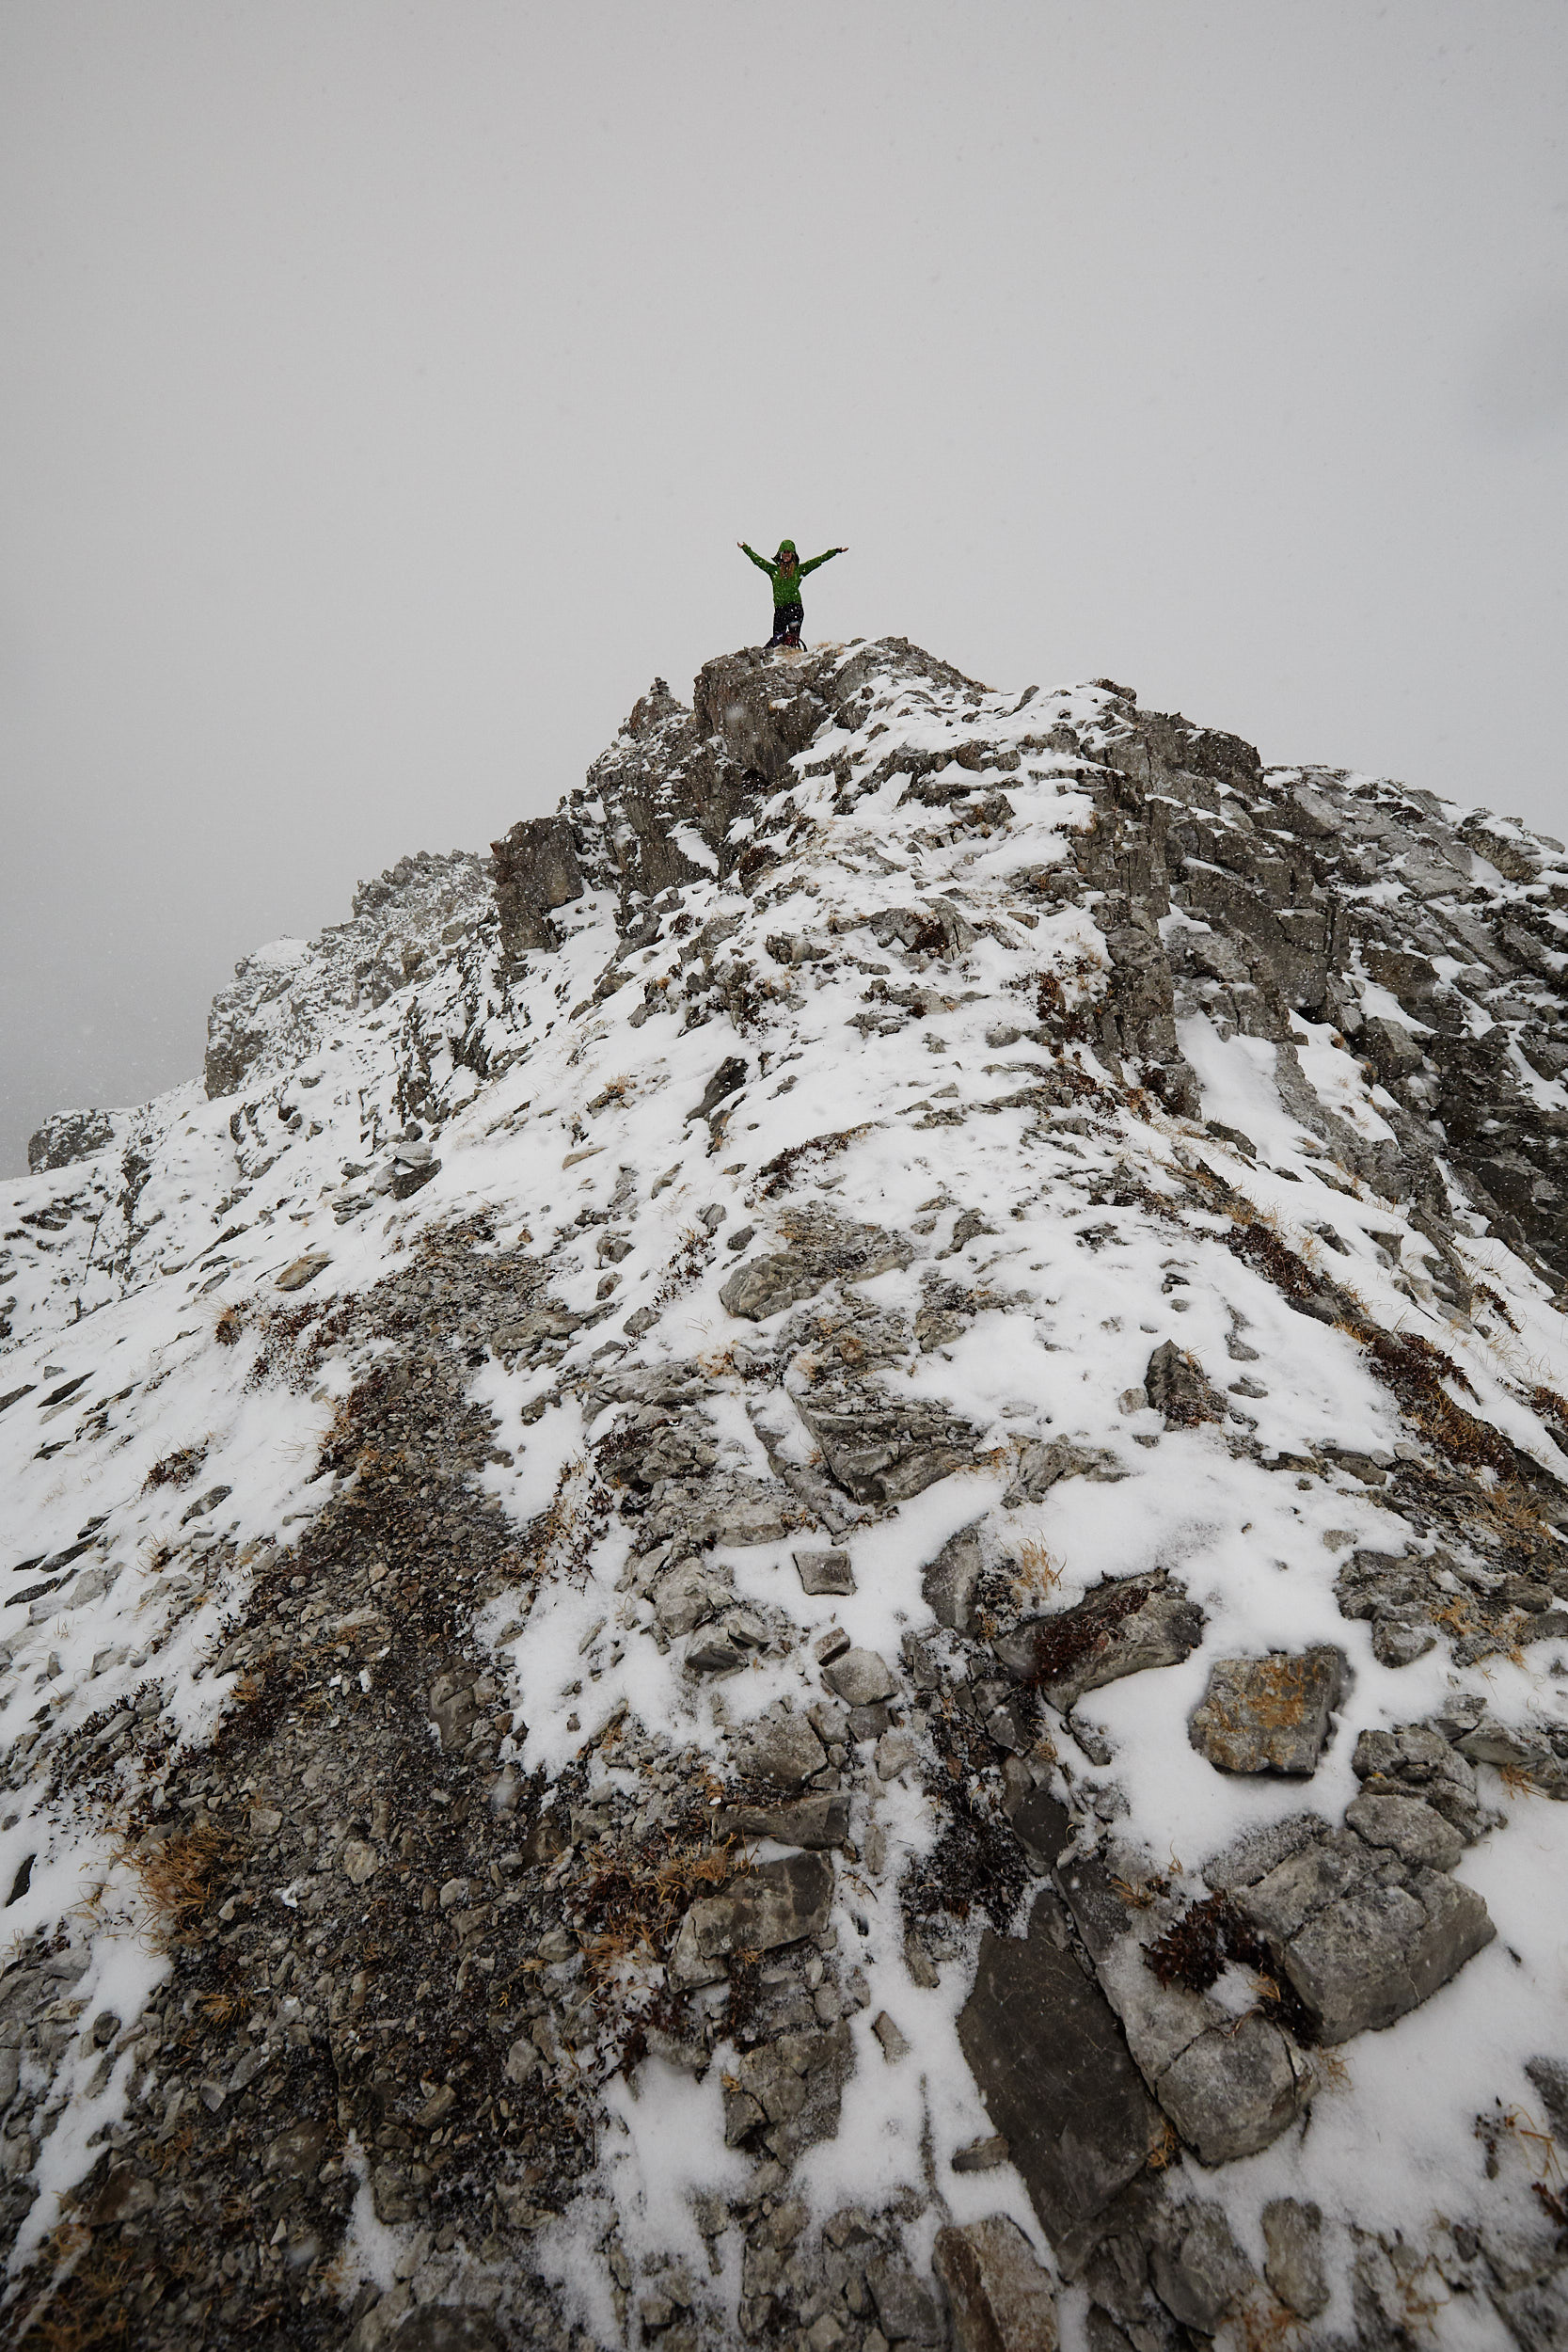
(383, 388)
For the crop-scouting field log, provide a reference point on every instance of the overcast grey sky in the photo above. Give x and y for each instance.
(382, 388)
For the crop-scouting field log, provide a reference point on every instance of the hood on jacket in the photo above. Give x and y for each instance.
(785, 546)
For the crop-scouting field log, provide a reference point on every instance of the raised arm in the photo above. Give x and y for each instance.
(821, 559)
(760, 560)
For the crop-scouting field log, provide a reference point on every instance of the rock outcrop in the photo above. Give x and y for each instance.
(772, 1578)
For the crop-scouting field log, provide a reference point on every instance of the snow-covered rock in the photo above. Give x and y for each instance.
(794, 1573)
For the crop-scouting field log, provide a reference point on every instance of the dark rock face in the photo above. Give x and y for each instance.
(1046, 2050)
(534, 871)
(69, 1136)
(761, 718)
(1265, 864)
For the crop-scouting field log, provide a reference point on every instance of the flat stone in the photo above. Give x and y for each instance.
(1122, 1627)
(895, 1752)
(784, 1750)
(299, 2154)
(294, 1277)
(906, 2312)
(1293, 2264)
(1397, 1642)
(778, 1902)
(824, 1571)
(1047, 2055)
(860, 1677)
(358, 1861)
(1001, 2299)
(1416, 1761)
(752, 1512)
(1514, 1750)
(813, 1821)
(522, 2060)
(1041, 1824)
(1257, 1852)
(689, 1596)
(765, 1286)
(1230, 2086)
(982, 2155)
(1041, 1467)
(1407, 1826)
(1269, 1714)
(880, 1450)
(715, 1654)
(895, 2045)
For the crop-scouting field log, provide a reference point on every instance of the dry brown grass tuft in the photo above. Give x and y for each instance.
(634, 1904)
(1035, 1572)
(1266, 2323)
(179, 1877)
(88, 2300)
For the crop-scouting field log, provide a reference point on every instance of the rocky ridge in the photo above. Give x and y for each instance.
(796, 1571)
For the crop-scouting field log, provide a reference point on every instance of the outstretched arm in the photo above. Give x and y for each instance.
(821, 559)
(760, 560)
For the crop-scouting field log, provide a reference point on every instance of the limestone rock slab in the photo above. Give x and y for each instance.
(1045, 2048)
(1269, 1714)
(1001, 2299)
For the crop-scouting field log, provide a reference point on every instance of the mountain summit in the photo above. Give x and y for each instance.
(796, 1573)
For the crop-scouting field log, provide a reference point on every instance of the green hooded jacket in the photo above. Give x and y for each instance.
(786, 584)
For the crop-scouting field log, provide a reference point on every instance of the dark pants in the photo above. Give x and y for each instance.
(786, 624)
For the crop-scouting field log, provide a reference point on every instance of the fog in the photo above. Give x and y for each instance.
(383, 389)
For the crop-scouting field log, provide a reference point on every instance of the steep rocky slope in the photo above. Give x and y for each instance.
(795, 1575)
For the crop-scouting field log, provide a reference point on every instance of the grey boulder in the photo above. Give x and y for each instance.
(1407, 1826)
(1269, 1714)
(860, 1677)
(1197, 2268)
(1364, 1937)
(824, 1571)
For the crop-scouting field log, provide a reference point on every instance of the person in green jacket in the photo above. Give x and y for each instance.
(787, 572)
